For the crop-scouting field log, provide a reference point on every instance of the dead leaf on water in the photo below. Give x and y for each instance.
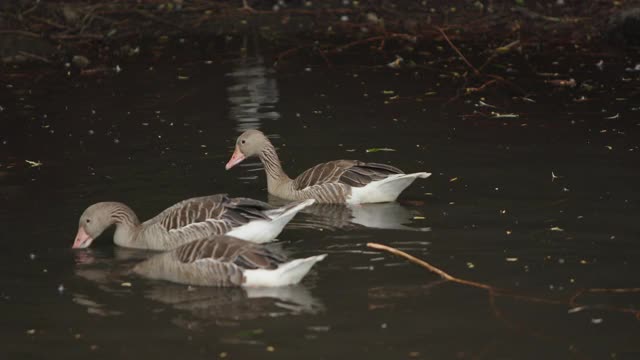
(126, 284)
(555, 228)
(453, 179)
(379, 149)
(33, 163)
(564, 83)
(498, 115)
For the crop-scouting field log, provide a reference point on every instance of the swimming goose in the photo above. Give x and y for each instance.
(226, 261)
(339, 181)
(186, 221)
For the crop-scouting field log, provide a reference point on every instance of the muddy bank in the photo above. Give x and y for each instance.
(92, 33)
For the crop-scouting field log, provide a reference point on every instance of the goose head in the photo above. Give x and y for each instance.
(94, 220)
(250, 143)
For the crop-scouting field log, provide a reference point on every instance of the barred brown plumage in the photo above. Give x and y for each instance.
(186, 221)
(339, 181)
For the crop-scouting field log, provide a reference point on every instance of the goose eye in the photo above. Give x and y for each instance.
(243, 141)
(88, 221)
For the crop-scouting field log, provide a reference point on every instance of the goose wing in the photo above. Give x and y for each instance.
(230, 250)
(348, 172)
(219, 211)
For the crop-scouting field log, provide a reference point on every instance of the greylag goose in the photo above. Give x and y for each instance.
(226, 261)
(186, 221)
(339, 181)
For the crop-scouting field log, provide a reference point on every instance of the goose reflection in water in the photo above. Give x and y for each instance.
(391, 216)
(197, 307)
(253, 93)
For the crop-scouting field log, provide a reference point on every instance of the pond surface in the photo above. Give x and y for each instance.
(542, 205)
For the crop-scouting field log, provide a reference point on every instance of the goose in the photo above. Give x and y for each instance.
(339, 181)
(188, 220)
(225, 261)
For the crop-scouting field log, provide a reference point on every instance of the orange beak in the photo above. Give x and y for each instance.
(83, 239)
(236, 159)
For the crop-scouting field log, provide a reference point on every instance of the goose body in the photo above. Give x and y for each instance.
(339, 181)
(186, 221)
(226, 261)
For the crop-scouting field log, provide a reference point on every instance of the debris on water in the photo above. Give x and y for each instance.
(470, 265)
(508, 232)
(32, 256)
(388, 92)
(31, 331)
(379, 149)
(222, 355)
(60, 289)
(597, 321)
(397, 63)
(453, 179)
(126, 284)
(117, 69)
(576, 309)
(414, 354)
(609, 147)
(383, 325)
(613, 117)
(271, 348)
(482, 103)
(600, 65)
(564, 83)
(33, 163)
(180, 77)
(511, 259)
(555, 228)
(497, 115)
(635, 68)
(419, 218)
(554, 176)
(80, 61)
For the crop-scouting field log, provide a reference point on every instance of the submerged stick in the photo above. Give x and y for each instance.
(493, 291)
(428, 266)
(444, 35)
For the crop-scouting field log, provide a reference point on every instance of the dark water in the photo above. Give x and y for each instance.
(161, 131)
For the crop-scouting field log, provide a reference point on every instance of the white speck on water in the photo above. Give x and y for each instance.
(383, 325)
(60, 288)
(32, 256)
(596, 321)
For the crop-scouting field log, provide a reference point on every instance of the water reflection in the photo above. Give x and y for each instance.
(253, 93)
(196, 307)
(391, 216)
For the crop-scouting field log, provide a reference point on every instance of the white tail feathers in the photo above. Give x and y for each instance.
(286, 274)
(384, 190)
(287, 212)
(261, 231)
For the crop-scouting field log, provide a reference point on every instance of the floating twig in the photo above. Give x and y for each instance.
(494, 291)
